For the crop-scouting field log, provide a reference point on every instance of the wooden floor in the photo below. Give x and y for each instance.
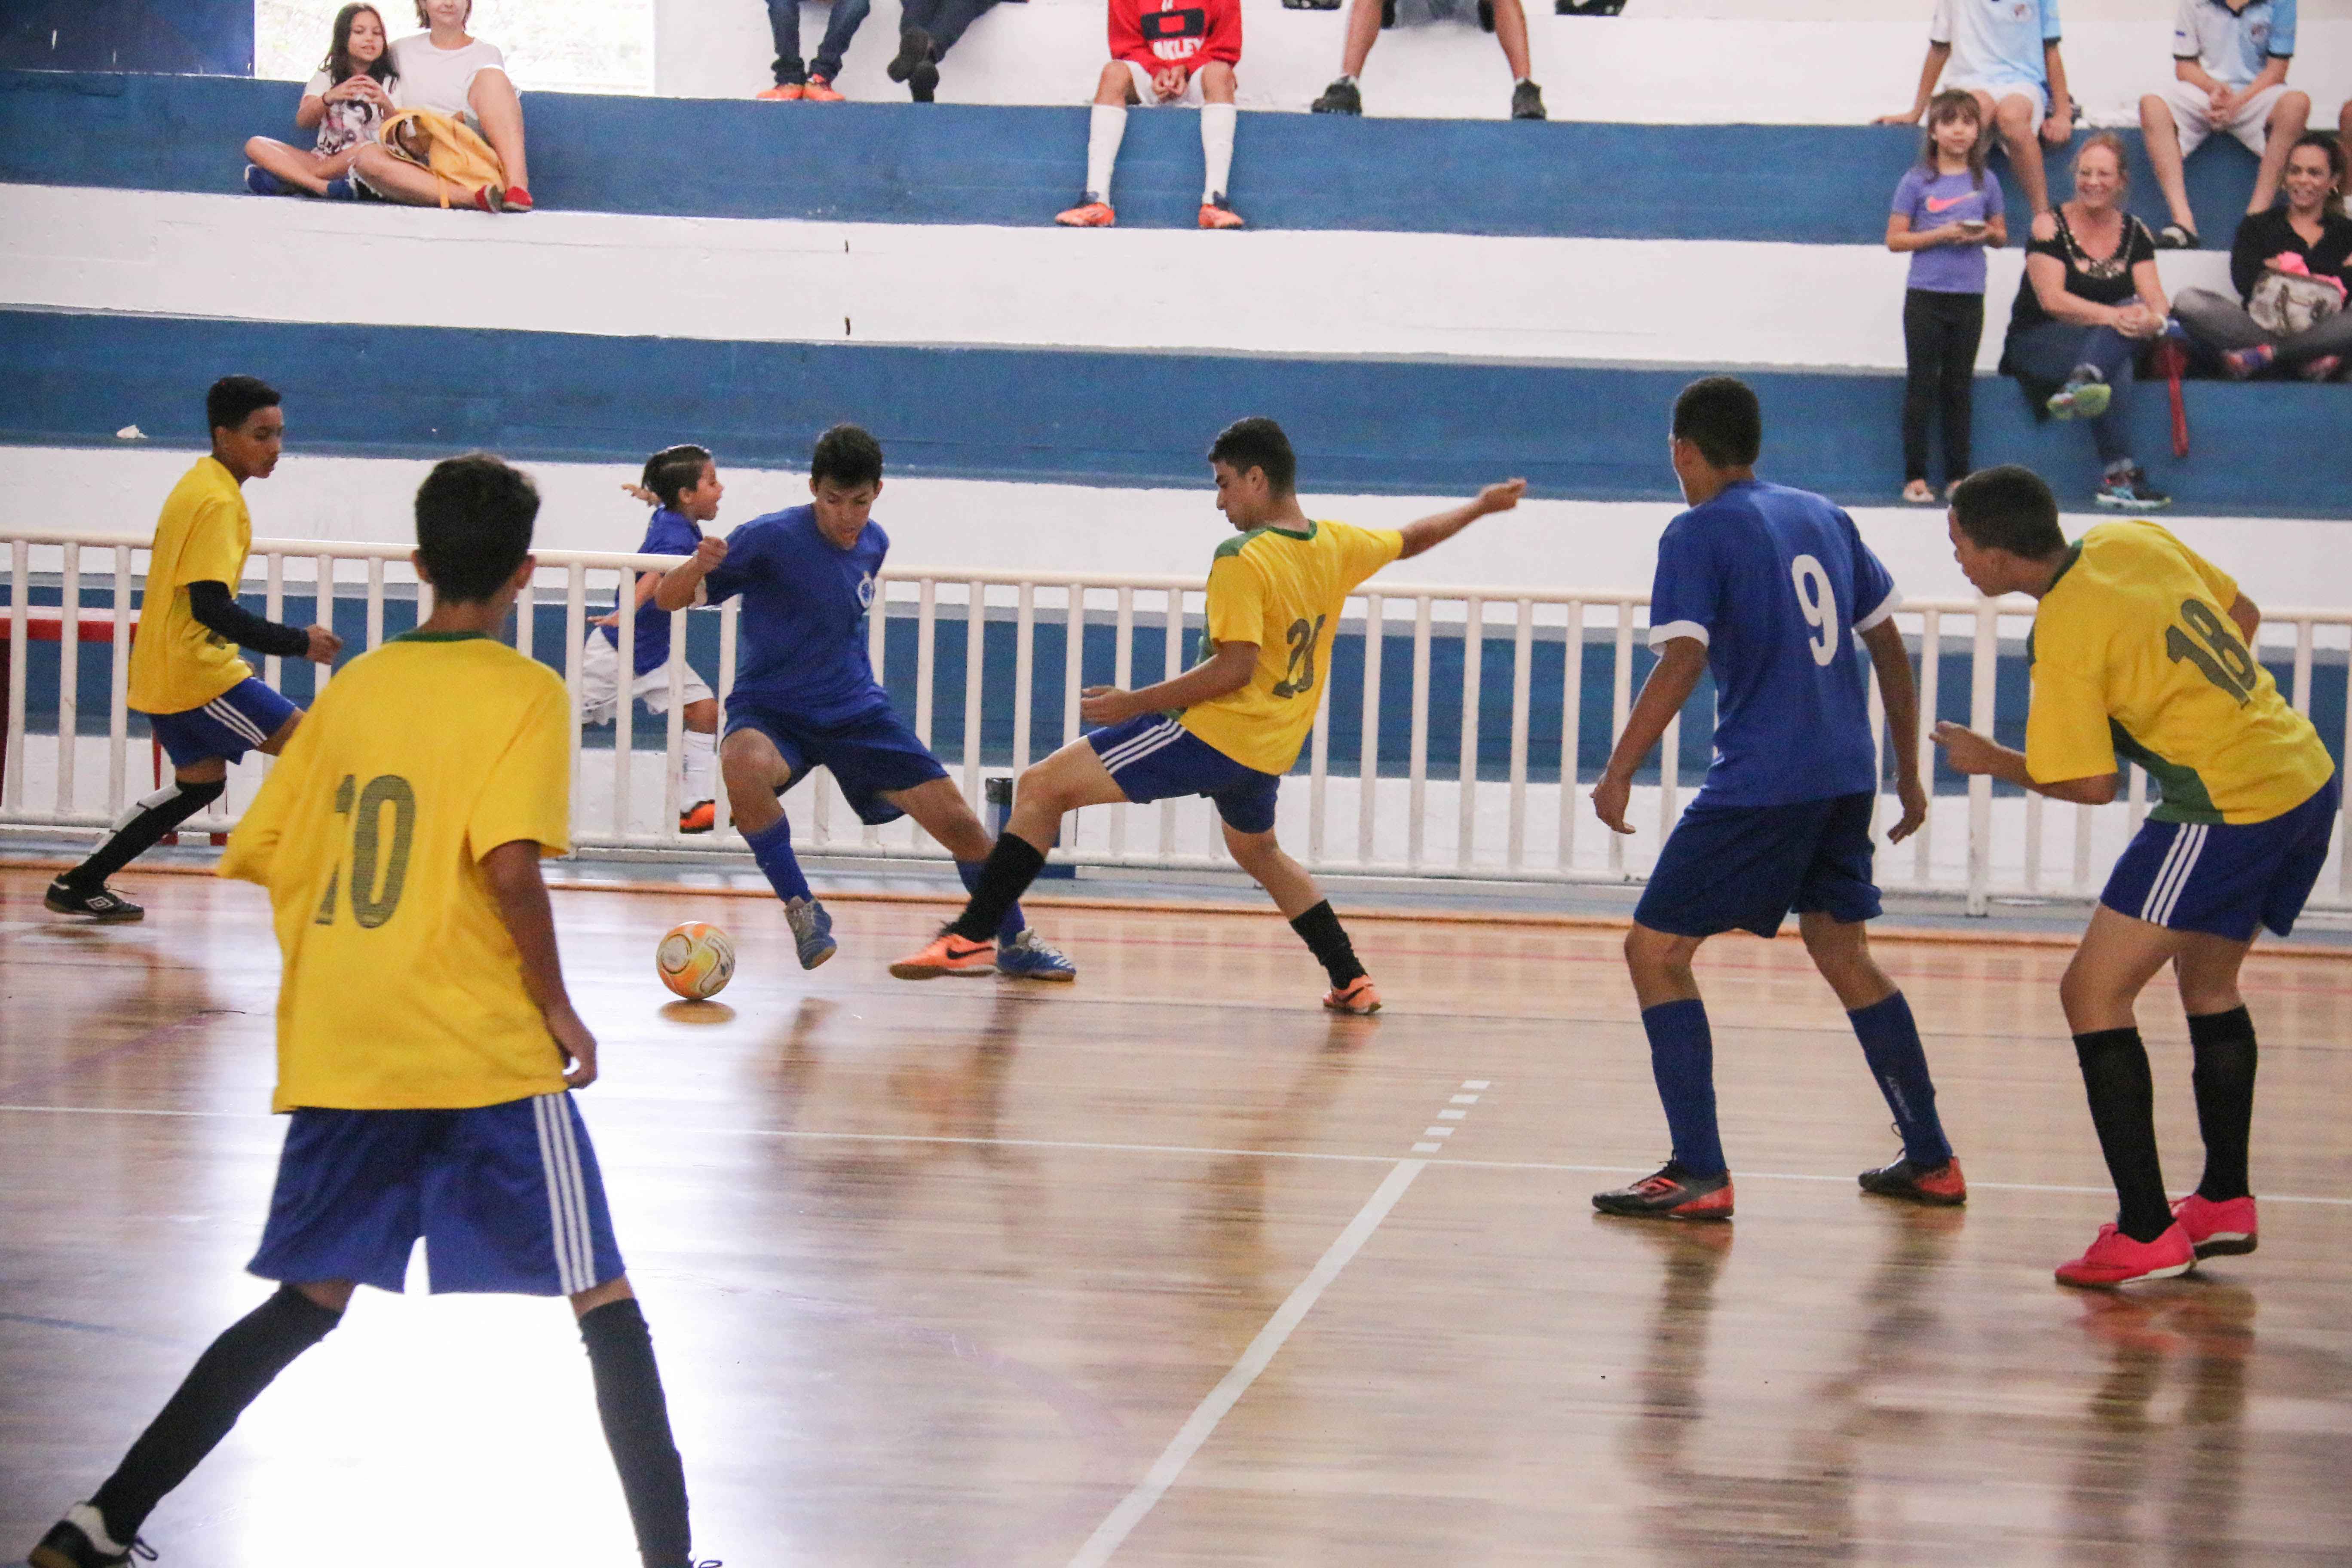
(970, 1273)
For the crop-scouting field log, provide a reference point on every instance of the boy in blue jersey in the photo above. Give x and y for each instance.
(1758, 584)
(682, 482)
(805, 696)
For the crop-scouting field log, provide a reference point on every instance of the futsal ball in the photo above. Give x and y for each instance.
(695, 959)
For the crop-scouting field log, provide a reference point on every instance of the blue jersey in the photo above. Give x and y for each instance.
(670, 533)
(803, 635)
(1769, 579)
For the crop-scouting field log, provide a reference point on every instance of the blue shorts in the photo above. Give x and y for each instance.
(1744, 867)
(237, 721)
(507, 1198)
(869, 757)
(1153, 757)
(2223, 880)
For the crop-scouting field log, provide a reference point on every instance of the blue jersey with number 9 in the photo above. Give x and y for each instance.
(1773, 581)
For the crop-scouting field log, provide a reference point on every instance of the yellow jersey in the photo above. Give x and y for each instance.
(1282, 590)
(2133, 655)
(202, 536)
(402, 989)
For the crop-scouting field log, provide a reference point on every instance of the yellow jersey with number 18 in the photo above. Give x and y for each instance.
(202, 536)
(1282, 590)
(2135, 657)
(402, 988)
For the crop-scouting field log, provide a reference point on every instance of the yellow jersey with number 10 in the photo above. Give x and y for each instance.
(202, 536)
(2135, 657)
(402, 988)
(1283, 592)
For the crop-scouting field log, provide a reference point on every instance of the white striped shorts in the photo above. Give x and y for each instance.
(2224, 879)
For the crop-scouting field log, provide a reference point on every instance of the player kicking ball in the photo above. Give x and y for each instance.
(2140, 653)
(1238, 718)
(1759, 583)
(423, 1030)
(805, 697)
(201, 699)
(1164, 53)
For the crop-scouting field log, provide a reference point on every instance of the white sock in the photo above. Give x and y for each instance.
(695, 766)
(1216, 147)
(1105, 130)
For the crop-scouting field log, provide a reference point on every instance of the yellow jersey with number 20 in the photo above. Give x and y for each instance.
(202, 536)
(402, 988)
(2135, 657)
(1282, 590)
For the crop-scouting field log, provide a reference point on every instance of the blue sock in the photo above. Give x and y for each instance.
(1890, 1044)
(1682, 1058)
(772, 848)
(1013, 924)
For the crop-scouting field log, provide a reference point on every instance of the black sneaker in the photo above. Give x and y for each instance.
(2126, 491)
(68, 1545)
(923, 81)
(1340, 98)
(1942, 1185)
(914, 49)
(101, 904)
(1527, 102)
(1672, 1194)
(2176, 237)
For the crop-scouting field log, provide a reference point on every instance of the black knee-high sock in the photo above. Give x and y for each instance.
(2224, 1076)
(1004, 875)
(142, 827)
(226, 1378)
(1320, 929)
(2123, 1108)
(636, 1429)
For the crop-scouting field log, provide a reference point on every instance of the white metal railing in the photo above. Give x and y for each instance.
(1501, 808)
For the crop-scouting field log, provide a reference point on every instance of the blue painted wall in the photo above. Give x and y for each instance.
(881, 163)
(210, 36)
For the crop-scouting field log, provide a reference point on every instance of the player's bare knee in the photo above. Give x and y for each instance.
(329, 1295)
(702, 717)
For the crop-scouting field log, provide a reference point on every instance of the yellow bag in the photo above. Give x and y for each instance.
(454, 153)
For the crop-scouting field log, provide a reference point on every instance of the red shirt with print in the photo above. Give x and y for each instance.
(1156, 34)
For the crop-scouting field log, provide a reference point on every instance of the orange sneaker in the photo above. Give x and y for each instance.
(1359, 997)
(699, 817)
(1672, 1192)
(782, 92)
(948, 954)
(2115, 1258)
(1218, 213)
(1941, 1185)
(820, 90)
(1089, 213)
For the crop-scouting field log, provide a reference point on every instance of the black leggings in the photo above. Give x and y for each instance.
(1940, 332)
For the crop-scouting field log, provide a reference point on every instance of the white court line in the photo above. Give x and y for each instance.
(1081, 1147)
(1195, 1431)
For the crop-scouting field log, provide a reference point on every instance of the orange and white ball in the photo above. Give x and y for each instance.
(695, 959)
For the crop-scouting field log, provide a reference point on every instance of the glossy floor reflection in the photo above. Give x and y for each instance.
(937, 1272)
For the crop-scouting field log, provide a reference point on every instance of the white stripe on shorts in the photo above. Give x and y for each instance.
(584, 1238)
(547, 1114)
(230, 719)
(2172, 875)
(1166, 734)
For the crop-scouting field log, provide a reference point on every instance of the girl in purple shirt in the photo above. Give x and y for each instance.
(1945, 213)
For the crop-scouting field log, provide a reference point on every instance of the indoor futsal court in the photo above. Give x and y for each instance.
(1169, 1267)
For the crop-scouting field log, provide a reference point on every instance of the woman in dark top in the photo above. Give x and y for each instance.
(2309, 225)
(2090, 302)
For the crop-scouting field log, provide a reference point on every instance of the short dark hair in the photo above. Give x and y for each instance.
(672, 471)
(848, 455)
(473, 515)
(1720, 416)
(1257, 442)
(234, 399)
(2009, 507)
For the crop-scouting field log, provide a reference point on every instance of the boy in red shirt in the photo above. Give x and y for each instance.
(1165, 51)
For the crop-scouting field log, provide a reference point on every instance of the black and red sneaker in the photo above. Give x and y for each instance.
(1942, 1185)
(1672, 1194)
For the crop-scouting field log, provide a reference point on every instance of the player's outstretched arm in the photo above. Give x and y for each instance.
(1672, 680)
(1226, 671)
(676, 590)
(512, 871)
(1893, 664)
(1428, 533)
(1972, 753)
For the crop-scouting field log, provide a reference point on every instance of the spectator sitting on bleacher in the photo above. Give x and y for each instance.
(1161, 53)
(449, 72)
(2005, 52)
(813, 82)
(2229, 67)
(927, 29)
(346, 101)
(2091, 301)
(1504, 19)
(2301, 247)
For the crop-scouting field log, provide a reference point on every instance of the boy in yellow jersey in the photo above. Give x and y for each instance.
(1230, 727)
(2140, 653)
(423, 1031)
(201, 699)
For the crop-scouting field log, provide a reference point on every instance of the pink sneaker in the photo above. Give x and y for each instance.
(2217, 1230)
(2115, 1258)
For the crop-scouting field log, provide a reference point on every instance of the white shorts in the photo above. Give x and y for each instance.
(2250, 125)
(1144, 94)
(1998, 88)
(600, 670)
